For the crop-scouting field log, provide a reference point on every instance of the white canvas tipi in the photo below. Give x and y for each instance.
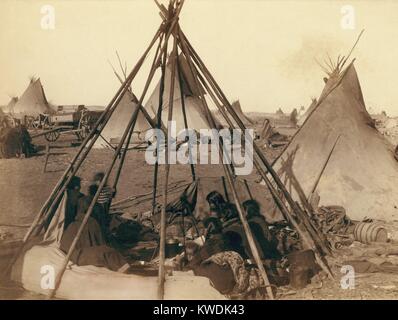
(362, 173)
(114, 129)
(32, 102)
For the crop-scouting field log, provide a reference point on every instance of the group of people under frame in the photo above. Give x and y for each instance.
(217, 249)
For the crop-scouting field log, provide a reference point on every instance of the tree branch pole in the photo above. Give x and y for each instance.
(230, 180)
(166, 18)
(162, 240)
(162, 249)
(102, 184)
(158, 126)
(293, 205)
(75, 164)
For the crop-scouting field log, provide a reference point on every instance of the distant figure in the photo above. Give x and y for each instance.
(26, 142)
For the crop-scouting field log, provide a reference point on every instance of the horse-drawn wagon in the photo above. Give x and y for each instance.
(76, 120)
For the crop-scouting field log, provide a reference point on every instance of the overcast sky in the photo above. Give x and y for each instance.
(262, 52)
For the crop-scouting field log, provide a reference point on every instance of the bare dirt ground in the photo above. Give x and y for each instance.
(24, 188)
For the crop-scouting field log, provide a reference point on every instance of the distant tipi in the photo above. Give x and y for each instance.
(114, 129)
(32, 102)
(9, 108)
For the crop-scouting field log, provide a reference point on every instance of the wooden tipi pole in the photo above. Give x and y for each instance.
(162, 251)
(184, 113)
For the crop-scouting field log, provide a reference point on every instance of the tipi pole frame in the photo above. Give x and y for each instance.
(59, 189)
(107, 174)
(287, 196)
(229, 177)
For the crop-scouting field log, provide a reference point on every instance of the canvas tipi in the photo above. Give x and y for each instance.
(113, 131)
(9, 108)
(32, 102)
(361, 174)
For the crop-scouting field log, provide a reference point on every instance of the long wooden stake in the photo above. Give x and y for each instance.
(162, 251)
(162, 231)
(184, 113)
(323, 168)
(229, 177)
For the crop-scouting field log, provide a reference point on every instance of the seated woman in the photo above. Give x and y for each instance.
(263, 239)
(91, 248)
(260, 230)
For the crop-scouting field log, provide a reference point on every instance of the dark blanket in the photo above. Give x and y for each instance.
(91, 248)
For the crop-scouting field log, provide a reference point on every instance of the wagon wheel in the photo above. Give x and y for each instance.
(52, 136)
(84, 126)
